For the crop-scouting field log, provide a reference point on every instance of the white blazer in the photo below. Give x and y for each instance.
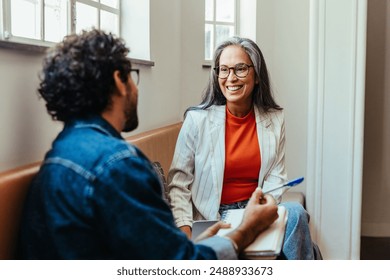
(196, 175)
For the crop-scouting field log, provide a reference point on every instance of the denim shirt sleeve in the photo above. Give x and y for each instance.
(222, 247)
(128, 202)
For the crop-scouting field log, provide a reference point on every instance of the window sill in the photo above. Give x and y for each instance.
(22, 46)
(19, 46)
(207, 64)
(142, 62)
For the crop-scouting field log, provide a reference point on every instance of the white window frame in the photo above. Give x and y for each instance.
(5, 22)
(214, 23)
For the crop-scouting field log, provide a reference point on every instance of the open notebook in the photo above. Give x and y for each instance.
(267, 245)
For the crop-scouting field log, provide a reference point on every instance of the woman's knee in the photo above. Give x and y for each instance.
(296, 212)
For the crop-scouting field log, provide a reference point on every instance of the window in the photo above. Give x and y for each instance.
(46, 21)
(136, 27)
(220, 23)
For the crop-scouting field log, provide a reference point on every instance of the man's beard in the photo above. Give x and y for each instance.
(131, 117)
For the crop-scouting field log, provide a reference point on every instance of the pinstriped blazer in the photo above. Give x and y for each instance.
(196, 175)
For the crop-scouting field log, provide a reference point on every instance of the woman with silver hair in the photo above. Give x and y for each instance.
(262, 95)
(232, 143)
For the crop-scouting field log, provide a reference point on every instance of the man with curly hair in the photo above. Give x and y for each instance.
(97, 196)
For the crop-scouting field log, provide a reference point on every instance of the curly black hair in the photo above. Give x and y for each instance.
(77, 76)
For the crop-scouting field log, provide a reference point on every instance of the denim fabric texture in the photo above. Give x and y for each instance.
(297, 241)
(98, 197)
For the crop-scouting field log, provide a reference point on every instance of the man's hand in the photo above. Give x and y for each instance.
(260, 213)
(268, 198)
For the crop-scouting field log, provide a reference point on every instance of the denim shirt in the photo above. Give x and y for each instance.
(98, 197)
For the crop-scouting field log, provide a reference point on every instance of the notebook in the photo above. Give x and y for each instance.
(267, 245)
(200, 226)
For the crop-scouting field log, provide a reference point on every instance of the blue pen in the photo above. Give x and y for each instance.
(289, 184)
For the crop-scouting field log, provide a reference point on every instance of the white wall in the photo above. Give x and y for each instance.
(26, 128)
(193, 76)
(282, 35)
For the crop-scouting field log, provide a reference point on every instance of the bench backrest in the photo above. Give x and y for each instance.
(13, 189)
(157, 144)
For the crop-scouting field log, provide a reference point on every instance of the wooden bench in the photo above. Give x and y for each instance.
(157, 144)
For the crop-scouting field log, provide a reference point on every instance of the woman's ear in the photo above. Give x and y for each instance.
(119, 84)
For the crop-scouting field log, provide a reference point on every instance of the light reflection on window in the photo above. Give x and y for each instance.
(220, 23)
(26, 21)
(26, 18)
(56, 13)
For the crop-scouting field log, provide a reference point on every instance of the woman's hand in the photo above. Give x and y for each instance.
(212, 230)
(187, 230)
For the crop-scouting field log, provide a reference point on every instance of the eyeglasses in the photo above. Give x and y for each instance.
(241, 70)
(134, 74)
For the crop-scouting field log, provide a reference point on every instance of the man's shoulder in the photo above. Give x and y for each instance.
(90, 141)
(92, 151)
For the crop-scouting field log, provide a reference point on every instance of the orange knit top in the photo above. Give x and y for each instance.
(242, 158)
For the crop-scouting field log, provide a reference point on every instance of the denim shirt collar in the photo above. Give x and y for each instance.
(96, 122)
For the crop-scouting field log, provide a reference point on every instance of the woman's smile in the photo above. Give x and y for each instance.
(234, 88)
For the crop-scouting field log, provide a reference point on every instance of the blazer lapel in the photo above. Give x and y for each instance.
(217, 151)
(267, 142)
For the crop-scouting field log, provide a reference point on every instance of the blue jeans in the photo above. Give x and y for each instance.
(297, 241)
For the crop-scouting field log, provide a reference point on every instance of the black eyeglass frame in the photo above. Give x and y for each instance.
(216, 70)
(136, 71)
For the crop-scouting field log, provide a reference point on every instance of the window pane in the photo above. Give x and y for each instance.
(209, 9)
(208, 41)
(111, 3)
(56, 15)
(225, 10)
(223, 32)
(86, 17)
(26, 18)
(109, 22)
